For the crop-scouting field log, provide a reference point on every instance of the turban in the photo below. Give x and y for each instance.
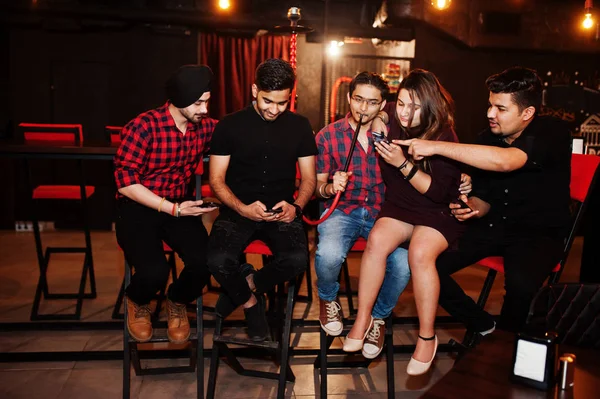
(188, 84)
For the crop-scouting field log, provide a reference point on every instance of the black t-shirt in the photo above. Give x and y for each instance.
(263, 154)
(536, 197)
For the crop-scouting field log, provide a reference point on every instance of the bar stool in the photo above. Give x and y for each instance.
(131, 352)
(325, 340)
(281, 323)
(322, 363)
(69, 134)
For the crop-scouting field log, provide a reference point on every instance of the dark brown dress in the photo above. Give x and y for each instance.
(403, 202)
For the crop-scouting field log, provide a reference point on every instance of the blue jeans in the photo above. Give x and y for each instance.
(337, 234)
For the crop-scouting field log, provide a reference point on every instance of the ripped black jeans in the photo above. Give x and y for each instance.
(231, 234)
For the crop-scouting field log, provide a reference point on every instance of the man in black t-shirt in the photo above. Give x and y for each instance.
(253, 160)
(519, 206)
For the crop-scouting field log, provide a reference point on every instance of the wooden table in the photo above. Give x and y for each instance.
(484, 372)
(52, 150)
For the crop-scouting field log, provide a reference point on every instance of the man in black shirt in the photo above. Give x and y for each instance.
(519, 205)
(252, 171)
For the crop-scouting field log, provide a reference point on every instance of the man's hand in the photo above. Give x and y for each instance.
(287, 215)
(474, 210)
(257, 211)
(340, 181)
(466, 184)
(192, 208)
(418, 148)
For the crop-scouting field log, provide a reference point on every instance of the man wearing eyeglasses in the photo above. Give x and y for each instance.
(362, 195)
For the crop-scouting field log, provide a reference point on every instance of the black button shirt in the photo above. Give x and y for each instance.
(263, 154)
(534, 198)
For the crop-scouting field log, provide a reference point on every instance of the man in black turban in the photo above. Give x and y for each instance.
(159, 153)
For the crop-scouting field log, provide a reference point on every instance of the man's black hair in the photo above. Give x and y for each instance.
(524, 85)
(275, 74)
(372, 79)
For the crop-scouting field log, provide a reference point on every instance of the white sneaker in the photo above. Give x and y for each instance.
(330, 317)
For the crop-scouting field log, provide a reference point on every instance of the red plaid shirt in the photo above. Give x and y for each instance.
(365, 188)
(155, 154)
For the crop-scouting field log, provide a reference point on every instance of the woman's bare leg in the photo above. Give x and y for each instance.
(426, 245)
(387, 234)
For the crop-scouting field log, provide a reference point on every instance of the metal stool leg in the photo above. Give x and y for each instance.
(348, 288)
(389, 357)
(126, 338)
(199, 349)
(285, 343)
(214, 361)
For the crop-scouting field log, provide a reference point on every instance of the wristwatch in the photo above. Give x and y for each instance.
(298, 210)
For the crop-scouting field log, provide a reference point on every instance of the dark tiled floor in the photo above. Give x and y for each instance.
(103, 379)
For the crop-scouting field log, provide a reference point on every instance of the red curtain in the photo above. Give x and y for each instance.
(233, 61)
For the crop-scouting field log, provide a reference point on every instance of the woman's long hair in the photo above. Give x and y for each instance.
(437, 106)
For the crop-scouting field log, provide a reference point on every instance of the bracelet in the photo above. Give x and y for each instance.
(403, 164)
(173, 209)
(178, 211)
(323, 195)
(380, 117)
(161, 202)
(412, 173)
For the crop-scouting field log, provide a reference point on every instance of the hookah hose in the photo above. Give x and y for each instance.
(336, 199)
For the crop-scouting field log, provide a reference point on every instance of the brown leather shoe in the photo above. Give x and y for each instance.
(138, 321)
(330, 317)
(178, 325)
(374, 341)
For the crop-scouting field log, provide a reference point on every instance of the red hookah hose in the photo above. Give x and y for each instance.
(339, 193)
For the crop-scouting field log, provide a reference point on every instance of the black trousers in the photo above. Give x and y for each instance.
(231, 234)
(528, 261)
(141, 232)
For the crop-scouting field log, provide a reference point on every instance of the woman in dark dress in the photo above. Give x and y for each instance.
(415, 208)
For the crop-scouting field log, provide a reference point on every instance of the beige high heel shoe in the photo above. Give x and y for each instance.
(416, 367)
(353, 344)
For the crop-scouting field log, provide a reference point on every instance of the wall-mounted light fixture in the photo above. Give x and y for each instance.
(334, 48)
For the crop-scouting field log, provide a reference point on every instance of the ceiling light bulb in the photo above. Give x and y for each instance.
(224, 4)
(588, 22)
(441, 4)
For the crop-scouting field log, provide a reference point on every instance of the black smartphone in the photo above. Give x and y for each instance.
(278, 210)
(210, 204)
(379, 137)
(463, 204)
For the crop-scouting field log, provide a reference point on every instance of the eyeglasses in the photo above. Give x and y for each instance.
(361, 101)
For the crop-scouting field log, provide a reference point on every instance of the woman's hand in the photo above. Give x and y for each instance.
(390, 153)
(466, 184)
(377, 125)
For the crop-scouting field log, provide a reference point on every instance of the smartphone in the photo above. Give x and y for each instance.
(463, 204)
(278, 210)
(379, 137)
(210, 204)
